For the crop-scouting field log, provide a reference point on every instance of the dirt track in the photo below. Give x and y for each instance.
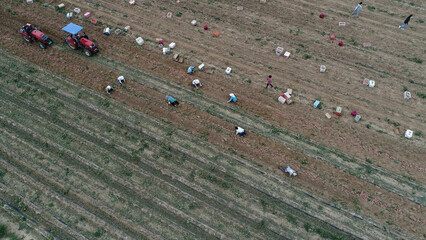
(382, 107)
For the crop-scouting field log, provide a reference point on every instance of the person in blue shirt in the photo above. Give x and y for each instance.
(233, 98)
(357, 9)
(172, 101)
(191, 69)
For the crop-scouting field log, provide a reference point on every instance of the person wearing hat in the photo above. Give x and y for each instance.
(233, 98)
(172, 101)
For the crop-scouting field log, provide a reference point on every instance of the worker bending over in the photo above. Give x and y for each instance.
(196, 83)
(240, 131)
(172, 101)
(232, 99)
(109, 89)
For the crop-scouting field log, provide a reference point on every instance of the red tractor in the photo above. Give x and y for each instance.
(76, 41)
(32, 33)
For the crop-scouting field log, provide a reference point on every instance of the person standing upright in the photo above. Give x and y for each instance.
(357, 9)
(269, 83)
(407, 20)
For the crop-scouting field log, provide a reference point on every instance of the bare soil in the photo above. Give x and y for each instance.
(247, 43)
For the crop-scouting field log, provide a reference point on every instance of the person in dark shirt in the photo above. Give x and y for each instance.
(407, 20)
(28, 28)
(172, 101)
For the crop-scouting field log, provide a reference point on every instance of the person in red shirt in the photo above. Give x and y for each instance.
(269, 82)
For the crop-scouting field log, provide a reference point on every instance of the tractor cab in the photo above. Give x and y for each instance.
(75, 40)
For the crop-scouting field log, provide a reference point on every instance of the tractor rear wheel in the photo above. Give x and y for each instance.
(42, 45)
(88, 52)
(26, 38)
(71, 45)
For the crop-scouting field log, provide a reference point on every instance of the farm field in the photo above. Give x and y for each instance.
(77, 163)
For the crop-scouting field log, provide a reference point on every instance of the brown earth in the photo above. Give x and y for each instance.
(254, 59)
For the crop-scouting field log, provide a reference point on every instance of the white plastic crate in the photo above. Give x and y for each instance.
(408, 133)
(287, 54)
(139, 40)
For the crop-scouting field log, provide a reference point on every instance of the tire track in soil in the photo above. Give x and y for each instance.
(46, 232)
(36, 218)
(112, 183)
(57, 189)
(72, 232)
(12, 212)
(15, 165)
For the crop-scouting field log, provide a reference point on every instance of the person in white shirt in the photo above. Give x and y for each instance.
(357, 9)
(121, 79)
(196, 83)
(108, 89)
(290, 171)
(240, 131)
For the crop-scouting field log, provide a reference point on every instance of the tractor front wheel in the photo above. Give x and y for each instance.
(27, 39)
(42, 45)
(88, 52)
(71, 45)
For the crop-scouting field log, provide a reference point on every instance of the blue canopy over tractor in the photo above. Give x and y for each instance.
(72, 28)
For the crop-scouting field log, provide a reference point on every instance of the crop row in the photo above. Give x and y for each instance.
(52, 92)
(50, 135)
(382, 178)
